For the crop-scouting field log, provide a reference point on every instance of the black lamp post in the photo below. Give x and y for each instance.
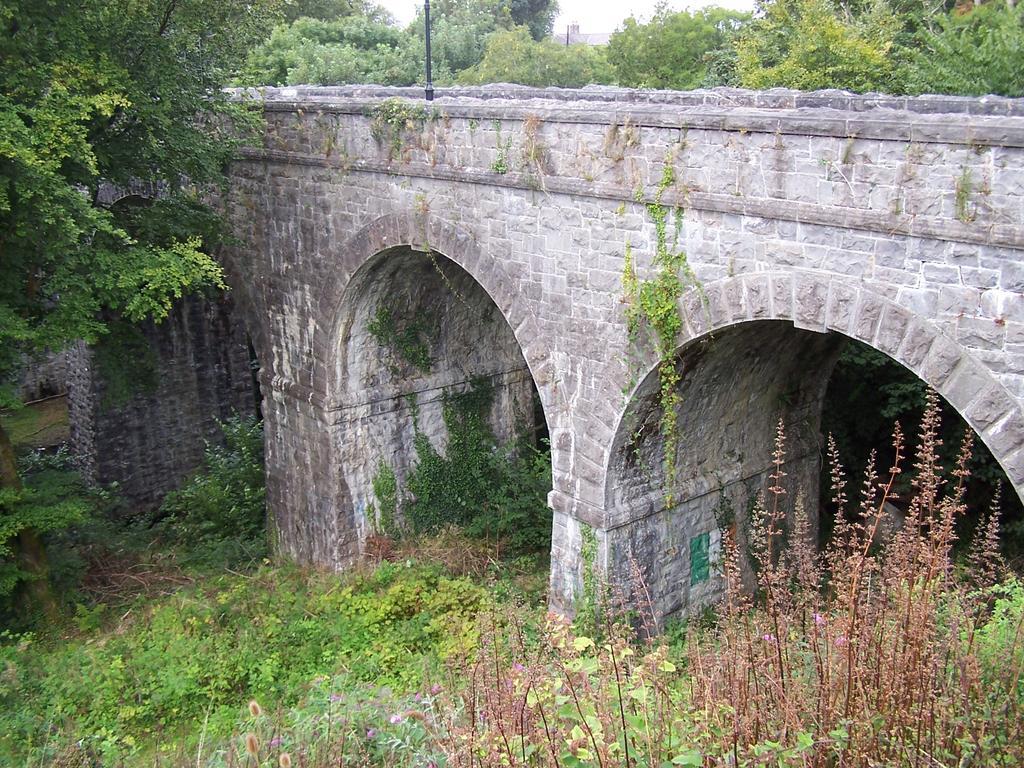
(430, 86)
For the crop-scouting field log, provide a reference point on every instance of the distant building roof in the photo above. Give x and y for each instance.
(573, 36)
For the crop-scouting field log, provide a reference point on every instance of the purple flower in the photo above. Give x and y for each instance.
(768, 638)
(435, 689)
(841, 641)
(518, 667)
(371, 733)
(275, 742)
(819, 619)
(418, 696)
(336, 697)
(396, 719)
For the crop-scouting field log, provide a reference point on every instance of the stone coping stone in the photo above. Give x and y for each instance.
(773, 99)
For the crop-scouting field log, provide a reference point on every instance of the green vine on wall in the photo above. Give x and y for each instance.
(392, 118)
(654, 304)
(410, 341)
(501, 164)
(385, 491)
(587, 620)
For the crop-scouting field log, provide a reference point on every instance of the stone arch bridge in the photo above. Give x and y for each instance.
(496, 224)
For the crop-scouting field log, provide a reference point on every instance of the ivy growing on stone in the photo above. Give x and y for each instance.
(654, 304)
(410, 341)
(488, 489)
(391, 119)
(385, 491)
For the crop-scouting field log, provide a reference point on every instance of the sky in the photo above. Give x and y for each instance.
(591, 15)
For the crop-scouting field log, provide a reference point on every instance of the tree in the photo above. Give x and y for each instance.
(812, 44)
(515, 57)
(972, 53)
(672, 50)
(536, 15)
(354, 49)
(94, 95)
(330, 10)
(459, 33)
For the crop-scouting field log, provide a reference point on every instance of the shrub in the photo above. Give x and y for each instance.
(53, 499)
(809, 44)
(971, 53)
(494, 491)
(219, 515)
(173, 664)
(513, 56)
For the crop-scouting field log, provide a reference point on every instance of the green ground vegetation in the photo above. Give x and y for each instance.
(423, 658)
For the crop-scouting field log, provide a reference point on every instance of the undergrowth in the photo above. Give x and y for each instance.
(156, 676)
(492, 490)
(884, 648)
(218, 517)
(865, 654)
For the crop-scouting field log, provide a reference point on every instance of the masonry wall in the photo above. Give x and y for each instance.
(44, 376)
(150, 441)
(895, 221)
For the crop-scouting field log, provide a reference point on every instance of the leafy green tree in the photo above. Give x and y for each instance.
(458, 34)
(515, 57)
(672, 50)
(971, 53)
(536, 15)
(812, 44)
(92, 94)
(330, 10)
(354, 49)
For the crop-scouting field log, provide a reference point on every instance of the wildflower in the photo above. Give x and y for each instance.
(435, 689)
(418, 696)
(252, 746)
(396, 719)
(819, 619)
(371, 733)
(518, 667)
(768, 638)
(336, 697)
(285, 761)
(841, 641)
(275, 742)
(254, 708)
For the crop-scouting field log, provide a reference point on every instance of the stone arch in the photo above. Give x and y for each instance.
(753, 344)
(362, 391)
(821, 302)
(425, 232)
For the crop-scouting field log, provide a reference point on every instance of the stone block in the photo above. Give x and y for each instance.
(810, 301)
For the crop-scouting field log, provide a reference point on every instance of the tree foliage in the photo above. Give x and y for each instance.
(353, 49)
(352, 42)
(515, 57)
(536, 15)
(810, 44)
(973, 53)
(96, 96)
(672, 50)
(331, 10)
(896, 46)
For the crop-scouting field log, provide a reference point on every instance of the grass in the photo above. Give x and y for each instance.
(866, 653)
(151, 676)
(42, 424)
